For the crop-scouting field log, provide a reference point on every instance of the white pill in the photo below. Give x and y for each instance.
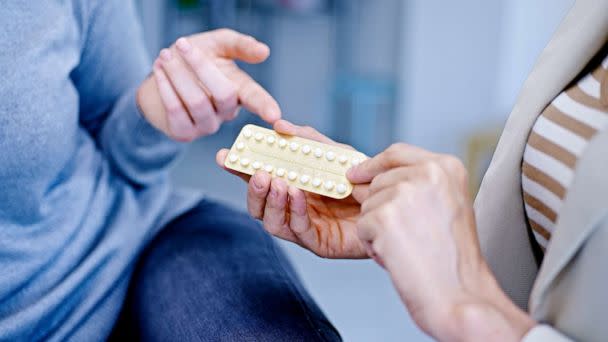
(305, 179)
(355, 161)
(280, 172)
(282, 143)
(233, 158)
(306, 149)
(328, 185)
(342, 159)
(316, 182)
(259, 136)
(341, 189)
(318, 152)
(247, 133)
(292, 175)
(244, 161)
(240, 146)
(271, 139)
(256, 165)
(294, 146)
(268, 168)
(330, 156)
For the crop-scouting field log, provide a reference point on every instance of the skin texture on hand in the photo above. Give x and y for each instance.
(196, 85)
(323, 225)
(411, 212)
(420, 224)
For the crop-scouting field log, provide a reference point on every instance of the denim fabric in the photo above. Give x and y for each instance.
(213, 274)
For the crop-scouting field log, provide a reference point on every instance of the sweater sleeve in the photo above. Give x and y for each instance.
(113, 64)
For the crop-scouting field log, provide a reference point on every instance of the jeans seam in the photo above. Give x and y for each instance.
(296, 293)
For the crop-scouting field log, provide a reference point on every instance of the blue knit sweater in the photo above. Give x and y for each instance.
(83, 177)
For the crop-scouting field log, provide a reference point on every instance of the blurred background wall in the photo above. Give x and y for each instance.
(440, 74)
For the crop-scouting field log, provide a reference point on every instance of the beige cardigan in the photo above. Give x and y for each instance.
(570, 291)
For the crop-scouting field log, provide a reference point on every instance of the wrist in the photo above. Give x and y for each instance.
(150, 105)
(482, 311)
(475, 319)
(140, 96)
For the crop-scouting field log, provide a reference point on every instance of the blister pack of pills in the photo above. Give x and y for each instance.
(306, 164)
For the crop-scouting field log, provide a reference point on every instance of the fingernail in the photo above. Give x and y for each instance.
(263, 48)
(183, 45)
(166, 54)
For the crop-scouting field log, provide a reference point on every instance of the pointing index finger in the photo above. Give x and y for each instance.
(256, 99)
(235, 45)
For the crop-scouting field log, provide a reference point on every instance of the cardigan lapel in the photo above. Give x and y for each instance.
(499, 205)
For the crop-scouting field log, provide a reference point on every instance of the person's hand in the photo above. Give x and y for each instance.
(321, 224)
(419, 221)
(196, 85)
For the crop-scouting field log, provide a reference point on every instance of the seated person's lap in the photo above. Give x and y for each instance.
(214, 274)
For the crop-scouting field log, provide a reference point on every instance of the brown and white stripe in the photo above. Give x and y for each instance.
(558, 139)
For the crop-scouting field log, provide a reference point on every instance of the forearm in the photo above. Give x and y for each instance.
(114, 64)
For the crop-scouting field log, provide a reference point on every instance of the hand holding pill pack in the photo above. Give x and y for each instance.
(306, 164)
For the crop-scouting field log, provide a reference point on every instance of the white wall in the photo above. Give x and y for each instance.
(302, 66)
(303, 61)
(464, 62)
(527, 26)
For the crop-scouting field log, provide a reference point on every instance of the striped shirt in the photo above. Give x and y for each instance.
(557, 140)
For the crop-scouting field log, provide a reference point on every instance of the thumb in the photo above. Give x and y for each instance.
(235, 45)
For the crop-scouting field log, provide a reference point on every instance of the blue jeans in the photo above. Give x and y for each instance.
(213, 274)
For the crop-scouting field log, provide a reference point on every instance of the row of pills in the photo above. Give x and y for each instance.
(294, 147)
(291, 175)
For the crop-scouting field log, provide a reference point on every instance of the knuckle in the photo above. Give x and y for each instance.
(398, 147)
(210, 127)
(227, 98)
(234, 114)
(182, 38)
(433, 172)
(310, 130)
(452, 163)
(199, 105)
(456, 168)
(185, 137)
(174, 110)
(393, 153)
(224, 31)
(401, 189)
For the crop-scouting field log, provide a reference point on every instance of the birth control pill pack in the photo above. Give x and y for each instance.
(306, 164)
